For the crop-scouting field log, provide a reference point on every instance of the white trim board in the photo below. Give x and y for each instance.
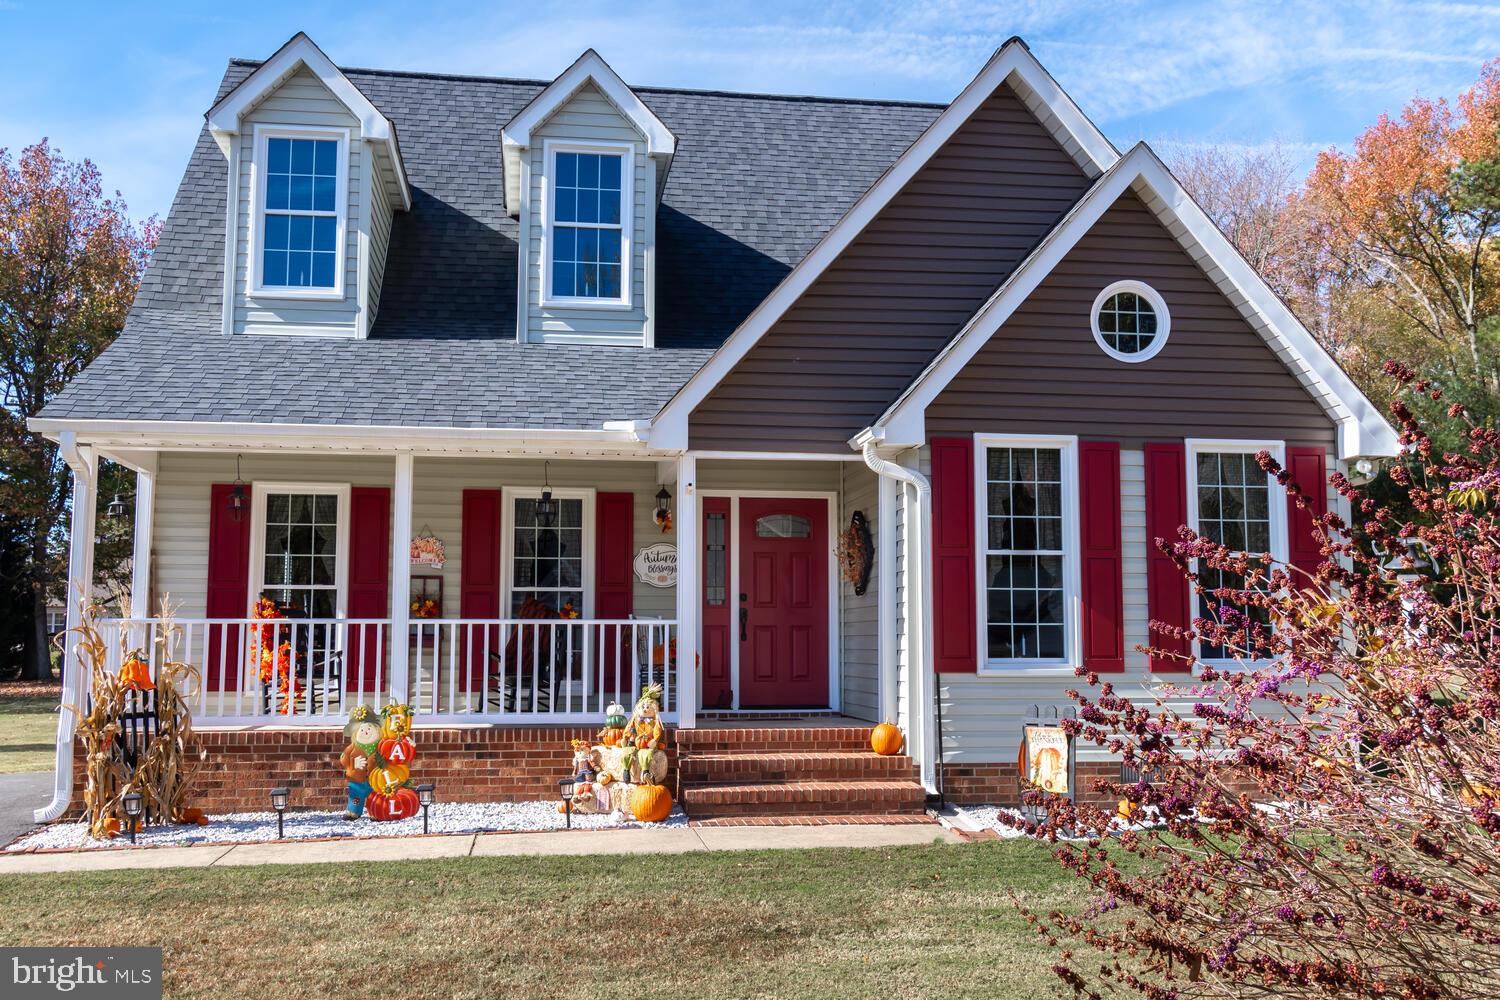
(1013, 61)
(1362, 429)
(661, 143)
(225, 117)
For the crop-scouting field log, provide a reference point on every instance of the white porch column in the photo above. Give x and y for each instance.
(140, 558)
(888, 642)
(688, 556)
(84, 462)
(400, 613)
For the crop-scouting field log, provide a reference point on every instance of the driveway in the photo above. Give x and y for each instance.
(19, 795)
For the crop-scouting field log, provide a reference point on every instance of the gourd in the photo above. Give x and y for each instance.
(400, 804)
(136, 674)
(650, 803)
(886, 740)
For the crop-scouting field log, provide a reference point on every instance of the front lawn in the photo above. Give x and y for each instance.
(899, 922)
(28, 726)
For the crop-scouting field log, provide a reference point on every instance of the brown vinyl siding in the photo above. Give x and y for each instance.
(1042, 372)
(900, 291)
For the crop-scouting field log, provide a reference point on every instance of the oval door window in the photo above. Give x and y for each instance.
(783, 526)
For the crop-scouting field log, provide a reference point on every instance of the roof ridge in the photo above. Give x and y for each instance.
(702, 92)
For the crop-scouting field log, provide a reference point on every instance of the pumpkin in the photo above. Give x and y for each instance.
(192, 814)
(395, 721)
(383, 779)
(400, 804)
(397, 751)
(886, 740)
(1125, 810)
(650, 803)
(136, 674)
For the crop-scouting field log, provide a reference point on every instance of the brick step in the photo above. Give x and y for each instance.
(773, 739)
(799, 765)
(793, 798)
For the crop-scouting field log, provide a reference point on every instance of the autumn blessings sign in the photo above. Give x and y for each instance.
(656, 565)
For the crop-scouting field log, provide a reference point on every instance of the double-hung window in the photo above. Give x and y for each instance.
(1233, 502)
(302, 541)
(302, 180)
(1028, 558)
(588, 226)
(549, 552)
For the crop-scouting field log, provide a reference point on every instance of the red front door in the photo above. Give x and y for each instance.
(783, 603)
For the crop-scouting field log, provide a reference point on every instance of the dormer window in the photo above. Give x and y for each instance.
(588, 225)
(299, 221)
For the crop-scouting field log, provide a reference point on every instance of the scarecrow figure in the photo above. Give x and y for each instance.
(590, 794)
(644, 735)
(363, 733)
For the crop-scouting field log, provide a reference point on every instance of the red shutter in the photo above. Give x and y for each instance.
(479, 580)
(1166, 512)
(1308, 469)
(369, 584)
(614, 590)
(228, 589)
(953, 573)
(1102, 569)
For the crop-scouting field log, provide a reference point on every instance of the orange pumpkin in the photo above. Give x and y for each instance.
(650, 803)
(886, 740)
(400, 804)
(136, 674)
(192, 814)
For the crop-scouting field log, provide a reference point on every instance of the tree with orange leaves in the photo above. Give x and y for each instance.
(1413, 213)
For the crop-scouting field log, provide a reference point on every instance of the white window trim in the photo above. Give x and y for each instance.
(508, 497)
(261, 134)
(258, 493)
(1072, 580)
(1275, 501)
(550, 149)
(1163, 320)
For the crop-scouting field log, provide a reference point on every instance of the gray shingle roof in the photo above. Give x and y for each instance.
(756, 182)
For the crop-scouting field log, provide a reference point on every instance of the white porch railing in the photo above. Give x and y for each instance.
(465, 671)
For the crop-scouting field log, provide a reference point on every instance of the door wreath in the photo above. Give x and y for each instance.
(856, 553)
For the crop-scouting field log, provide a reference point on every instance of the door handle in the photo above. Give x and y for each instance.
(744, 620)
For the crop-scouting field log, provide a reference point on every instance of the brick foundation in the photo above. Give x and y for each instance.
(999, 784)
(480, 764)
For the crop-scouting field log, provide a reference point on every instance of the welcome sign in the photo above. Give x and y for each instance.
(656, 565)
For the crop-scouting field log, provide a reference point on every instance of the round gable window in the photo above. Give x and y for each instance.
(1130, 321)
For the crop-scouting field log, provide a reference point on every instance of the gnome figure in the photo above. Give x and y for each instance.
(363, 733)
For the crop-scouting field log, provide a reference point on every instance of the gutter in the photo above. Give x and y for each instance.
(73, 674)
(920, 580)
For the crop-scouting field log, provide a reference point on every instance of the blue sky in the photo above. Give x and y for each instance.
(127, 84)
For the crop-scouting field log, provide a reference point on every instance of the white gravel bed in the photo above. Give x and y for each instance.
(445, 817)
(1000, 818)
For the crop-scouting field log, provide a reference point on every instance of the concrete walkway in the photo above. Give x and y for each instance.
(20, 795)
(669, 840)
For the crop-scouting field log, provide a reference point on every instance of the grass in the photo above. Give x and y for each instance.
(28, 726)
(900, 922)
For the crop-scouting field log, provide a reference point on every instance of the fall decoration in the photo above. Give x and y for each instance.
(650, 803)
(426, 607)
(167, 765)
(856, 553)
(136, 673)
(886, 740)
(395, 721)
(392, 776)
(428, 550)
(401, 803)
(397, 751)
(272, 663)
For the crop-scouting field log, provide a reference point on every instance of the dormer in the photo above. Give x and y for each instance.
(314, 175)
(585, 162)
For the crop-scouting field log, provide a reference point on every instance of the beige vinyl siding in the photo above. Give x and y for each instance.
(184, 480)
(300, 100)
(859, 637)
(380, 239)
(588, 117)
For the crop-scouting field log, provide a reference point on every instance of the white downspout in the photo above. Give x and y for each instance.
(920, 582)
(80, 588)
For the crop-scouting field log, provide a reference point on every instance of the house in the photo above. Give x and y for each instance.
(642, 356)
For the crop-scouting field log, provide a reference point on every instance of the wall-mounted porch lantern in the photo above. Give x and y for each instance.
(662, 516)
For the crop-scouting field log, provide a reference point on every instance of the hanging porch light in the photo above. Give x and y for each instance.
(116, 507)
(239, 494)
(546, 507)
